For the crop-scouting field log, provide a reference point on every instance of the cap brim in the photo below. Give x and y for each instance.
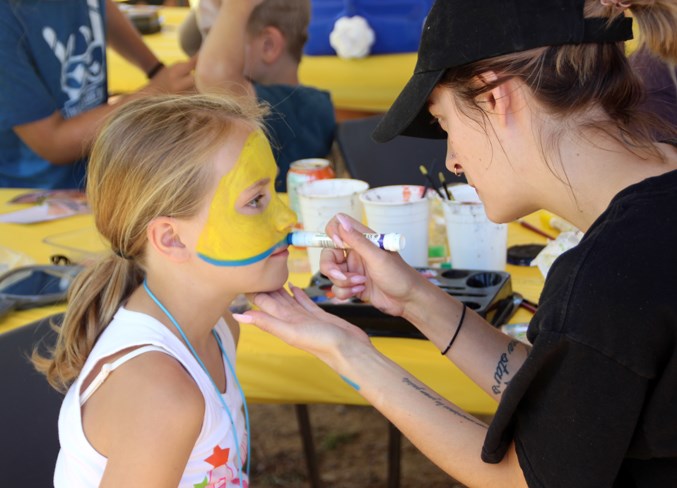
(408, 115)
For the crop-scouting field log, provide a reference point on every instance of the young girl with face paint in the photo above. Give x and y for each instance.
(540, 109)
(182, 188)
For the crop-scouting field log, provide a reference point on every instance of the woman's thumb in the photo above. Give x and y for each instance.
(355, 239)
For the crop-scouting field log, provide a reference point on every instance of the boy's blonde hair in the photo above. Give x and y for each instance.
(291, 17)
(152, 158)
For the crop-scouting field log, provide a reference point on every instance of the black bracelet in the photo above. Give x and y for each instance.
(155, 70)
(460, 323)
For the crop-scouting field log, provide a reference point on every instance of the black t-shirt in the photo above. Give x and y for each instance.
(595, 403)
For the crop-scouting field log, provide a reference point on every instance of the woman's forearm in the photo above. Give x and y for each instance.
(447, 435)
(486, 355)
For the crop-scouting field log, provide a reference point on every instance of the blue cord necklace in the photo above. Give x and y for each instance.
(218, 392)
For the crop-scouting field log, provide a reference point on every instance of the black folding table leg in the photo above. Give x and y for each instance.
(394, 445)
(308, 445)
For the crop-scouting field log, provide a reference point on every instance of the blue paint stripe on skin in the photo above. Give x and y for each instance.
(351, 383)
(244, 262)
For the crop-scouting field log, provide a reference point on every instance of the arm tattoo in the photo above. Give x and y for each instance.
(502, 369)
(440, 402)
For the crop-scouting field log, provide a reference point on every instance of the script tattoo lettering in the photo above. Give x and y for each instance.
(439, 402)
(502, 369)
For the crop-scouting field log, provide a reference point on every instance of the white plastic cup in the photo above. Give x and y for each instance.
(475, 242)
(320, 200)
(404, 210)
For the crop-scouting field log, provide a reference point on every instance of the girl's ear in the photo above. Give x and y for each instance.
(163, 237)
(274, 44)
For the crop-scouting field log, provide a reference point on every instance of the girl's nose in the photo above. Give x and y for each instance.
(286, 217)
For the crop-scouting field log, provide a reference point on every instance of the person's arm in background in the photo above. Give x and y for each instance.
(126, 40)
(220, 65)
(64, 141)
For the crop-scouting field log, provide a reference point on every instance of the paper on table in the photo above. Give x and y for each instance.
(10, 259)
(49, 210)
(41, 196)
(552, 250)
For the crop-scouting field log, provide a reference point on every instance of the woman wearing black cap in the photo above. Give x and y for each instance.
(540, 109)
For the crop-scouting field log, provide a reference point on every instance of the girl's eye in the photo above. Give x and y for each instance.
(255, 202)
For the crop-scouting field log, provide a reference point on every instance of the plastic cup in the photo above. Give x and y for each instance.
(402, 209)
(320, 200)
(475, 242)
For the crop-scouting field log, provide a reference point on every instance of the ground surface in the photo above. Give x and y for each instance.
(351, 444)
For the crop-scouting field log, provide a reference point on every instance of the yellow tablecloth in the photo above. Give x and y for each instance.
(271, 371)
(369, 84)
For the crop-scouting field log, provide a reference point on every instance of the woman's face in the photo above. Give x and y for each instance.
(476, 147)
(243, 225)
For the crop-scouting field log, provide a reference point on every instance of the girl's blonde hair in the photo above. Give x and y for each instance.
(569, 80)
(152, 158)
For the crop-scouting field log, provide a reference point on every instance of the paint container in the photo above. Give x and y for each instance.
(320, 200)
(301, 172)
(403, 210)
(475, 242)
(488, 293)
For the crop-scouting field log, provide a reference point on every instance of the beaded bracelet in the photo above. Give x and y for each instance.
(460, 324)
(155, 70)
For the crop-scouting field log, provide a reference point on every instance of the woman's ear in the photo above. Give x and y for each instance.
(499, 101)
(163, 237)
(274, 44)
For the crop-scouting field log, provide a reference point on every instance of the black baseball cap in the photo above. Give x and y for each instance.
(458, 32)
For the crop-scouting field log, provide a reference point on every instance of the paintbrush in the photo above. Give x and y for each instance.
(535, 229)
(424, 172)
(443, 182)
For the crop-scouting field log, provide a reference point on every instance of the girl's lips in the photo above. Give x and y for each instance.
(280, 252)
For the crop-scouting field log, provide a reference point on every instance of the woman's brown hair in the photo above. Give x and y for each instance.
(573, 80)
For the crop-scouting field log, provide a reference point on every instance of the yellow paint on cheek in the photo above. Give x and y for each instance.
(231, 238)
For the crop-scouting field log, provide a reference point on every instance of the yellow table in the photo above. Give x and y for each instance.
(271, 371)
(368, 85)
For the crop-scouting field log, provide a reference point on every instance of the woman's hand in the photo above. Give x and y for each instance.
(379, 277)
(299, 322)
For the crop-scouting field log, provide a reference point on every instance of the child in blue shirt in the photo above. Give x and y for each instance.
(254, 49)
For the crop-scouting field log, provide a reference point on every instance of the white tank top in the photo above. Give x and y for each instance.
(213, 461)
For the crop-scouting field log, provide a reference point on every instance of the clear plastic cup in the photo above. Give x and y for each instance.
(320, 200)
(402, 209)
(475, 242)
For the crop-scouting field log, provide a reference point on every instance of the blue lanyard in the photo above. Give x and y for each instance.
(218, 392)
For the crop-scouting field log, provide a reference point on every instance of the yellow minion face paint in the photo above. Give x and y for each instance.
(231, 237)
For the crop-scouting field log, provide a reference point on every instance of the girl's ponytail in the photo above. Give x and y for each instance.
(93, 299)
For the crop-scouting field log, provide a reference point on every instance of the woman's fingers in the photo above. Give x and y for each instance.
(277, 303)
(263, 321)
(303, 299)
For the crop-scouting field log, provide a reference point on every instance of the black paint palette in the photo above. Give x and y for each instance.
(486, 292)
